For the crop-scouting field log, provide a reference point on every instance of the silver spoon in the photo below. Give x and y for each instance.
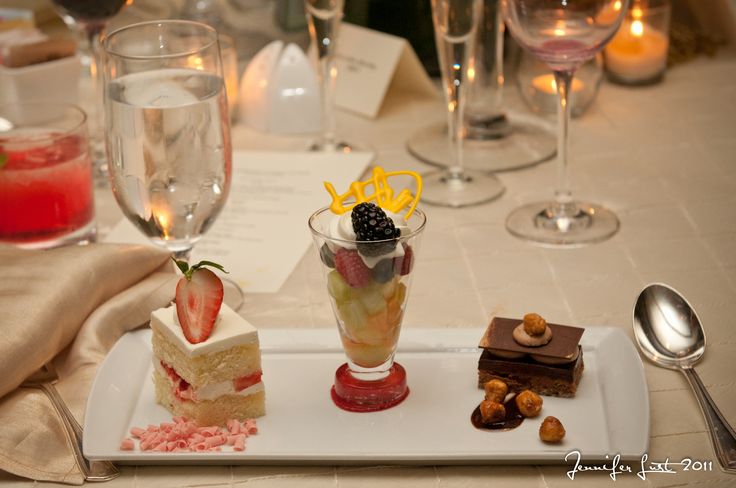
(669, 333)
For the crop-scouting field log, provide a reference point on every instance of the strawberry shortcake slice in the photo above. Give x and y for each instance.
(207, 359)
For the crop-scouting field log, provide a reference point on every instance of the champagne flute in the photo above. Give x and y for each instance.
(496, 138)
(89, 19)
(324, 18)
(455, 23)
(167, 130)
(563, 34)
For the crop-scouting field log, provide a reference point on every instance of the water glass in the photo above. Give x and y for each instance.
(167, 129)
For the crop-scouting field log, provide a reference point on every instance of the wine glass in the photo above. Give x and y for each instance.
(563, 34)
(324, 18)
(496, 137)
(455, 23)
(89, 19)
(167, 129)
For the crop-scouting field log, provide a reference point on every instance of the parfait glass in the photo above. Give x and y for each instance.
(564, 35)
(455, 25)
(324, 18)
(368, 309)
(168, 131)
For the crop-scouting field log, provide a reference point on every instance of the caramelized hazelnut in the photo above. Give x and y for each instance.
(534, 324)
(492, 411)
(496, 390)
(529, 403)
(551, 430)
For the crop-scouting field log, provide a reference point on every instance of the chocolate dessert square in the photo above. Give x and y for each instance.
(498, 335)
(553, 369)
(527, 374)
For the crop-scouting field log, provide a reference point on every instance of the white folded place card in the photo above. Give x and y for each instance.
(369, 63)
(262, 232)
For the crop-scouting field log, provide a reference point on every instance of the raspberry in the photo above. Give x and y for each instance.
(371, 223)
(349, 264)
(404, 264)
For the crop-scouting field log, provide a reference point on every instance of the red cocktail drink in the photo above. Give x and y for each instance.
(45, 177)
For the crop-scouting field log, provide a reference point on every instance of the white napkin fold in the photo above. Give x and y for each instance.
(69, 305)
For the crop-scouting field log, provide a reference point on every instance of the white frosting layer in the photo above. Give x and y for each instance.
(230, 330)
(341, 227)
(210, 392)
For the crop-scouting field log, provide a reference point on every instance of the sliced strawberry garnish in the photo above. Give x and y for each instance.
(199, 296)
(244, 382)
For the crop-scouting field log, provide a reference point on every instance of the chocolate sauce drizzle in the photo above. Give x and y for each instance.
(512, 420)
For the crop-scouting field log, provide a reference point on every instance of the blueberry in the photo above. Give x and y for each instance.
(383, 271)
(327, 256)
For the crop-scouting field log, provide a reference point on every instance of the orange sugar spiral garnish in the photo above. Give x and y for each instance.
(383, 194)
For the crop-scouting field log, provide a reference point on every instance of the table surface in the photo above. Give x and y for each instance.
(662, 157)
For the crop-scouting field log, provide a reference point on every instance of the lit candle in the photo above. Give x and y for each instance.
(638, 52)
(546, 84)
(544, 93)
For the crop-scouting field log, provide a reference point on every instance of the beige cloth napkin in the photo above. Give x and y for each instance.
(68, 305)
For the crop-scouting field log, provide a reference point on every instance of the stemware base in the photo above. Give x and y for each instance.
(332, 147)
(461, 189)
(528, 141)
(586, 224)
(232, 294)
(356, 395)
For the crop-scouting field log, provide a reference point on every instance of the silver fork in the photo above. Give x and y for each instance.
(43, 380)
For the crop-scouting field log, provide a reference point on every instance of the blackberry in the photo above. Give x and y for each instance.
(371, 223)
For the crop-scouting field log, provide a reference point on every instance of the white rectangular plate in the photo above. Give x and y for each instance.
(609, 415)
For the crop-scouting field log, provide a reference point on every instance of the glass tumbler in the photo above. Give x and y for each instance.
(46, 197)
(368, 296)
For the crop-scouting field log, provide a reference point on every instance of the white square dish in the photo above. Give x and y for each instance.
(609, 415)
(53, 81)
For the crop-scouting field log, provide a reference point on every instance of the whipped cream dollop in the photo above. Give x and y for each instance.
(341, 227)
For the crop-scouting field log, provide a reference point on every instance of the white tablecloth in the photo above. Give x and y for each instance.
(662, 157)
